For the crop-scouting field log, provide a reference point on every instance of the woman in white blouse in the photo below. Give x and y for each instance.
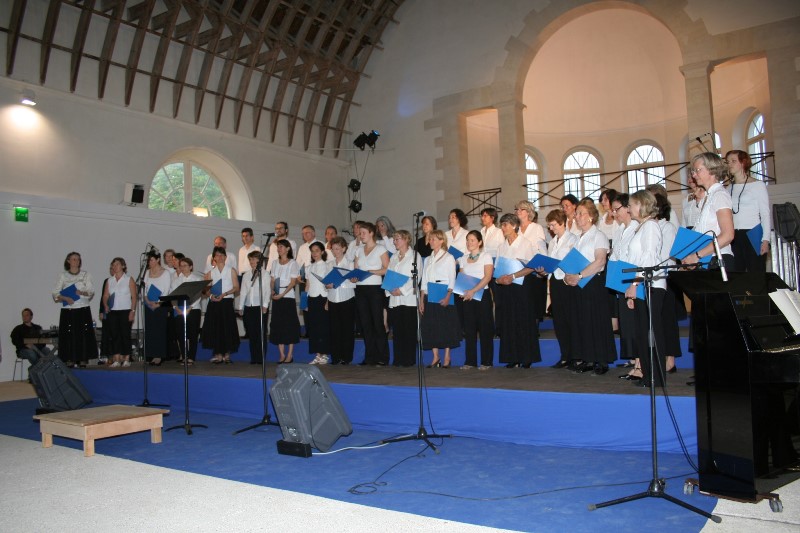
(254, 305)
(284, 326)
(403, 302)
(716, 214)
(76, 337)
(191, 322)
(341, 306)
(563, 298)
(157, 281)
(317, 321)
(220, 332)
(595, 342)
(535, 285)
(478, 320)
(119, 312)
(514, 319)
(457, 234)
(607, 223)
(373, 258)
(439, 326)
(644, 251)
(750, 207)
(385, 233)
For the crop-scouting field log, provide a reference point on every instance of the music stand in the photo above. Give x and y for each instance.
(186, 292)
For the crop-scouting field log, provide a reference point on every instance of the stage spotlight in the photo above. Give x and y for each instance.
(355, 206)
(29, 98)
(354, 185)
(372, 138)
(361, 141)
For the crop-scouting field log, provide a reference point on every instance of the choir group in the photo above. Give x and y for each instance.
(472, 285)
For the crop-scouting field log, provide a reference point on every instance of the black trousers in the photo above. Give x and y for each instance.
(252, 328)
(643, 335)
(403, 319)
(478, 322)
(117, 330)
(745, 257)
(342, 320)
(192, 333)
(369, 305)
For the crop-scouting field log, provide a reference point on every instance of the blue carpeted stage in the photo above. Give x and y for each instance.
(597, 421)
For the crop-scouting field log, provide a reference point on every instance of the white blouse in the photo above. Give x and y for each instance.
(750, 204)
(535, 233)
(645, 249)
(459, 241)
(248, 290)
(439, 268)
(121, 289)
(492, 239)
(371, 261)
(282, 276)
(592, 240)
(180, 279)
(559, 247)
(716, 198)
(345, 291)
(314, 286)
(404, 266)
(82, 281)
(225, 277)
(622, 240)
(163, 282)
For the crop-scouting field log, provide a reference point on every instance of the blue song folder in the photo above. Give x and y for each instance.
(688, 241)
(549, 264)
(357, 273)
(506, 266)
(573, 263)
(756, 235)
(334, 277)
(465, 283)
(393, 280)
(69, 292)
(437, 292)
(619, 281)
(154, 293)
(304, 301)
(455, 252)
(111, 300)
(216, 289)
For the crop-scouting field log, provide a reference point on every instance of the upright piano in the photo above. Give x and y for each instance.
(747, 372)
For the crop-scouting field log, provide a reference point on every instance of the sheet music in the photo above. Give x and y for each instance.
(788, 301)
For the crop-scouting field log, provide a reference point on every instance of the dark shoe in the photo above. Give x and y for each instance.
(627, 364)
(363, 363)
(437, 364)
(153, 363)
(344, 362)
(672, 370)
(381, 363)
(512, 365)
(227, 361)
(446, 366)
(560, 364)
(255, 362)
(582, 368)
(599, 369)
(630, 377)
(526, 365)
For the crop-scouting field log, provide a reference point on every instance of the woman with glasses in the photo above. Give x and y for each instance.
(439, 324)
(750, 207)
(716, 213)
(535, 285)
(403, 302)
(76, 336)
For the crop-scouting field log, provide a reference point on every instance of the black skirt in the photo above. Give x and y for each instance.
(155, 332)
(220, 331)
(516, 325)
(284, 326)
(440, 327)
(76, 338)
(595, 342)
(564, 302)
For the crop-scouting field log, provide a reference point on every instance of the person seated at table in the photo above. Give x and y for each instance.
(28, 330)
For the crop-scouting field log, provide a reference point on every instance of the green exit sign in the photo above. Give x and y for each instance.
(20, 214)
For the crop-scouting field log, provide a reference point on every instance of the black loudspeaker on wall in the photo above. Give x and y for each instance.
(308, 411)
(56, 386)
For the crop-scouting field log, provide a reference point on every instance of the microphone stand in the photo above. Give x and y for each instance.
(142, 323)
(183, 293)
(421, 434)
(266, 420)
(656, 488)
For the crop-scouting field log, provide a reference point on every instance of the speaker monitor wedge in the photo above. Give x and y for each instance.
(308, 411)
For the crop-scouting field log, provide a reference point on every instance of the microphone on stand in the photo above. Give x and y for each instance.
(719, 257)
(270, 234)
(153, 248)
(420, 214)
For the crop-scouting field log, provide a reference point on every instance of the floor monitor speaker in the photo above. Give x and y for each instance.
(56, 386)
(307, 409)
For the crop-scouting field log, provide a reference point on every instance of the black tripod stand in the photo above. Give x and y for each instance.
(657, 486)
(422, 433)
(183, 294)
(140, 285)
(266, 420)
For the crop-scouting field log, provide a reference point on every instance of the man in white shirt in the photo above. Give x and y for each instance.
(281, 232)
(248, 245)
(492, 235)
(303, 256)
(230, 260)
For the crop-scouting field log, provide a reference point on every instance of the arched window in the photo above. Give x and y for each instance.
(643, 167)
(186, 187)
(533, 175)
(757, 146)
(582, 175)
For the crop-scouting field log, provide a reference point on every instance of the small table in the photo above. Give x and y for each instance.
(100, 422)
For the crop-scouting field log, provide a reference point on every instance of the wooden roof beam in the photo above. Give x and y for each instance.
(142, 13)
(79, 43)
(108, 43)
(12, 39)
